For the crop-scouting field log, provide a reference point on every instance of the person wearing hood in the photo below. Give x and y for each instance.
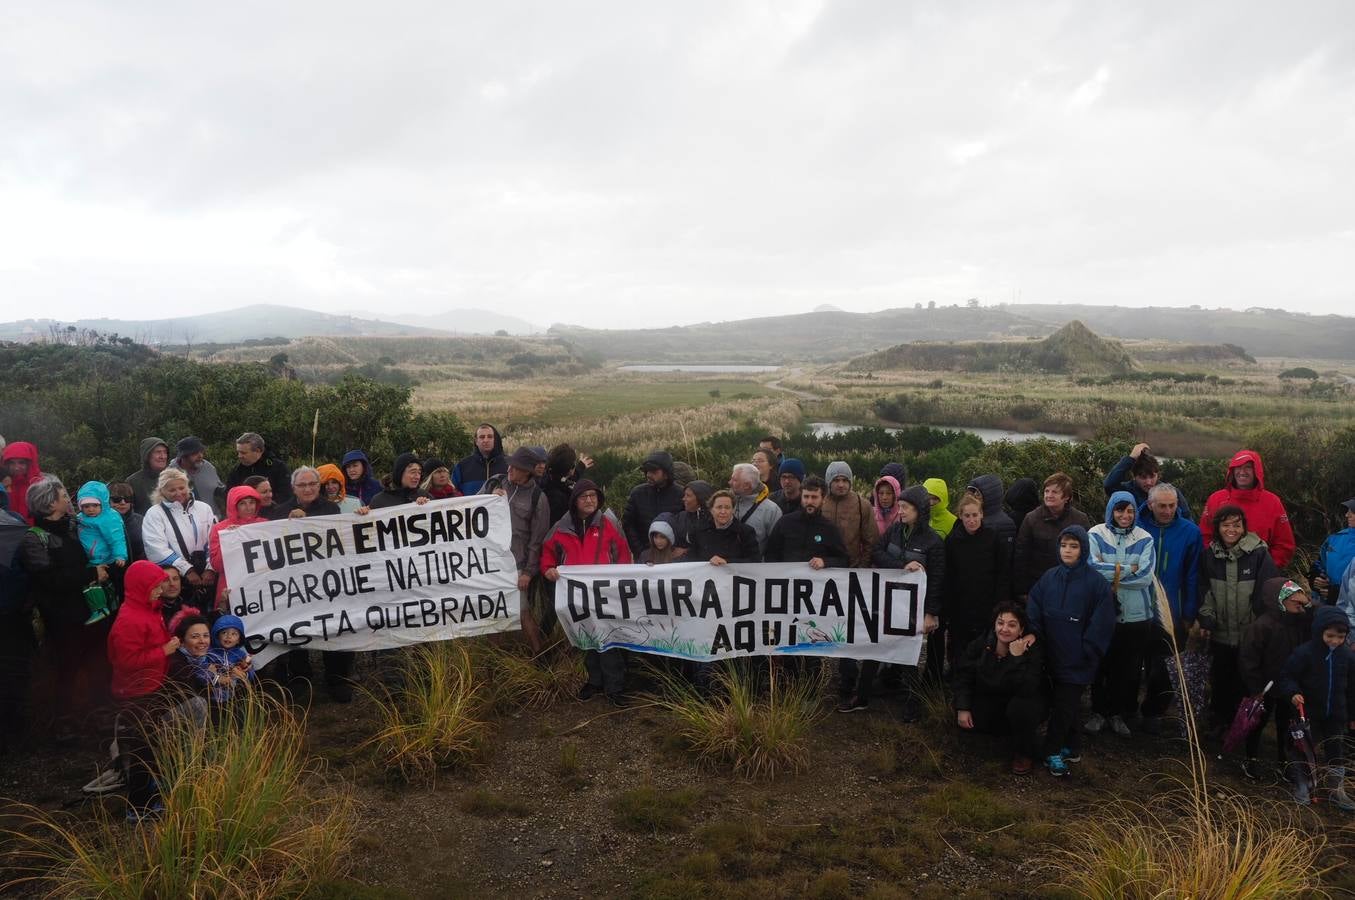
(1138, 473)
(656, 494)
(406, 476)
(791, 476)
(564, 467)
(895, 470)
(884, 502)
(695, 513)
(358, 479)
(253, 459)
(661, 550)
(1245, 487)
(1320, 676)
(1037, 540)
(853, 515)
(1022, 497)
(207, 485)
(911, 545)
(1072, 610)
(334, 488)
(307, 500)
(154, 455)
(485, 461)
(437, 479)
(58, 571)
(101, 530)
(1123, 553)
(588, 535)
(943, 520)
(1266, 645)
(1176, 551)
(978, 575)
(1232, 571)
(139, 649)
(123, 500)
(19, 461)
(242, 508)
(1335, 556)
(988, 488)
(753, 502)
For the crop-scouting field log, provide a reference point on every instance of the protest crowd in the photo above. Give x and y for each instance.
(1044, 622)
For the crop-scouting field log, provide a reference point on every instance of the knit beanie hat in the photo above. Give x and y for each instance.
(837, 469)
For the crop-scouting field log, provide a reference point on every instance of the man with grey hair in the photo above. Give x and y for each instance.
(851, 513)
(306, 501)
(1177, 547)
(753, 504)
(253, 459)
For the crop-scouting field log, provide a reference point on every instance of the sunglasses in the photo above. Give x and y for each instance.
(119, 499)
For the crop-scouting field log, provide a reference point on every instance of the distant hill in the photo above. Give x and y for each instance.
(1072, 350)
(257, 321)
(834, 336)
(468, 321)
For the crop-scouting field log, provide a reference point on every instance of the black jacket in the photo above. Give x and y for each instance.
(646, 501)
(1037, 543)
(272, 469)
(736, 543)
(994, 516)
(1267, 644)
(58, 571)
(1325, 677)
(136, 546)
(902, 544)
(978, 575)
(321, 507)
(797, 537)
(980, 671)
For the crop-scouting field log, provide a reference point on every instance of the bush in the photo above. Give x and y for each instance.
(247, 815)
(1299, 372)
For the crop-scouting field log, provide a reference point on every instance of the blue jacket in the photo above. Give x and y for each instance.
(1346, 598)
(471, 473)
(1119, 479)
(1176, 551)
(1129, 547)
(1322, 675)
(102, 536)
(1071, 609)
(366, 487)
(1334, 558)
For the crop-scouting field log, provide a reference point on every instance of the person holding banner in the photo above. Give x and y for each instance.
(242, 508)
(720, 538)
(306, 501)
(911, 545)
(588, 535)
(404, 485)
(530, 513)
(999, 681)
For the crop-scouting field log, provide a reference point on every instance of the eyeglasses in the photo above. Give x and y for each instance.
(306, 484)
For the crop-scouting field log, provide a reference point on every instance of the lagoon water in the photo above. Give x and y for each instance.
(989, 435)
(711, 369)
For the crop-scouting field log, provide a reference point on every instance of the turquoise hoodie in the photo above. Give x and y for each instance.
(1127, 548)
(102, 536)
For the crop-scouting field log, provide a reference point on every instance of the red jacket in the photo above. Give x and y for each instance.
(233, 520)
(136, 645)
(600, 544)
(1266, 517)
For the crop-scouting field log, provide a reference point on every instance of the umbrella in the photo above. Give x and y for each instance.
(1301, 742)
(1250, 712)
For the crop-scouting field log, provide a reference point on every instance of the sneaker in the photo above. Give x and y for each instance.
(1022, 765)
(1120, 726)
(97, 616)
(1057, 767)
(1341, 800)
(618, 699)
(1069, 756)
(1302, 796)
(587, 692)
(851, 705)
(1094, 724)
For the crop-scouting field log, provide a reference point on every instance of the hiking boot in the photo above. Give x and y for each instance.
(851, 705)
(618, 699)
(1337, 796)
(97, 615)
(1021, 765)
(911, 712)
(1069, 756)
(1094, 723)
(1056, 766)
(1120, 726)
(588, 692)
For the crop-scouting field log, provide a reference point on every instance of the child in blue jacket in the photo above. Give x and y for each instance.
(1124, 555)
(1071, 609)
(105, 541)
(231, 657)
(1320, 675)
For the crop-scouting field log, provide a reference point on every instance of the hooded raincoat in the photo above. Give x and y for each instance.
(1266, 516)
(1130, 551)
(136, 643)
(18, 486)
(1071, 609)
(103, 536)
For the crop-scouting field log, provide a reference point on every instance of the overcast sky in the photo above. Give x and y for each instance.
(637, 163)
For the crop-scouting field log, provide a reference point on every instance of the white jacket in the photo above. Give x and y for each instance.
(162, 546)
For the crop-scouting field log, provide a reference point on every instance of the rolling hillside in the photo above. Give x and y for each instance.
(1072, 350)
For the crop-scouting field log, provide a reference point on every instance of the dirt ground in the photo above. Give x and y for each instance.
(884, 809)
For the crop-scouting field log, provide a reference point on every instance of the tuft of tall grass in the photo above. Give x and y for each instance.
(247, 814)
(517, 680)
(757, 734)
(435, 719)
